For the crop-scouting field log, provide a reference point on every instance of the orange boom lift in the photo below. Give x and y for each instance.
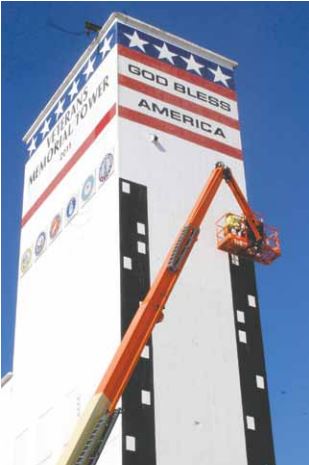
(251, 239)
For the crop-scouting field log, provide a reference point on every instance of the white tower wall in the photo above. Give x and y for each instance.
(118, 158)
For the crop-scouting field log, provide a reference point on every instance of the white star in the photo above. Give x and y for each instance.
(89, 70)
(219, 76)
(59, 109)
(32, 146)
(74, 90)
(106, 46)
(45, 129)
(193, 65)
(165, 53)
(136, 41)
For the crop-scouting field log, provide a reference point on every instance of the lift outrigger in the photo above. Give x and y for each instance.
(251, 239)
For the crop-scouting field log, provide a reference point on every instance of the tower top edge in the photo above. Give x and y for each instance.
(6, 378)
(161, 34)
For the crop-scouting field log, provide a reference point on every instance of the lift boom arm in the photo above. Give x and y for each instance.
(93, 429)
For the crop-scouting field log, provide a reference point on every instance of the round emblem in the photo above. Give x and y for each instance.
(26, 260)
(106, 167)
(55, 226)
(71, 207)
(88, 187)
(40, 243)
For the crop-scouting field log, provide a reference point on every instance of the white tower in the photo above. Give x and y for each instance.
(118, 157)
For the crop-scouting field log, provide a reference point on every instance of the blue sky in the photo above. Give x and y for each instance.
(41, 41)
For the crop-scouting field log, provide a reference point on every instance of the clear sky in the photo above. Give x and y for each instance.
(41, 41)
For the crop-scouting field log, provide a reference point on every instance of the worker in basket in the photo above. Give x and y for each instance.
(233, 224)
(255, 246)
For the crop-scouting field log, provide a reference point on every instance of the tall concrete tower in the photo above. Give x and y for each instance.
(117, 158)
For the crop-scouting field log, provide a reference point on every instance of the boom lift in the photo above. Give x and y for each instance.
(250, 239)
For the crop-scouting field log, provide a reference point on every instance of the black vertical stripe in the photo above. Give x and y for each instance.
(259, 442)
(137, 418)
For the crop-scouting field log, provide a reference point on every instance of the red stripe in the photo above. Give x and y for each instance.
(77, 155)
(176, 72)
(178, 101)
(179, 132)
